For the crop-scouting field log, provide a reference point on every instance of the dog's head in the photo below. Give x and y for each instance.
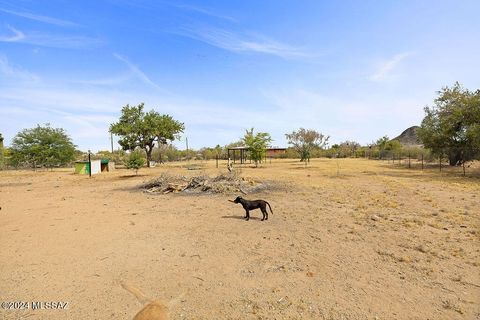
(237, 199)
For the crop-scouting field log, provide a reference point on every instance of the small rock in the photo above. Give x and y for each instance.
(375, 217)
(422, 248)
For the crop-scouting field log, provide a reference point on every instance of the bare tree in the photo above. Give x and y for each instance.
(303, 141)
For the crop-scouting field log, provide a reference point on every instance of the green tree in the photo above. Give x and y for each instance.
(304, 141)
(452, 125)
(256, 144)
(137, 128)
(211, 153)
(393, 146)
(42, 146)
(348, 148)
(135, 161)
(166, 153)
(381, 144)
(218, 151)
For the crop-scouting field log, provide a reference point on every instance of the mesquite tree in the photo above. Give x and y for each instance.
(137, 128)
(42, 146)
(256, 144)
(304, 141)
(452, 125)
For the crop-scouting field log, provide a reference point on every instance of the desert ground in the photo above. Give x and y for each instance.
(348, 239)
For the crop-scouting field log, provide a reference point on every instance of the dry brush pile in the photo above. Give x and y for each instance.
(223, 183)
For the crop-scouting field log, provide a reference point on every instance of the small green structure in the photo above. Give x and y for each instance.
(104, 165)
(82, 167)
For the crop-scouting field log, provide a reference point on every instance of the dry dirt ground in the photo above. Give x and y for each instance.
(348, 239)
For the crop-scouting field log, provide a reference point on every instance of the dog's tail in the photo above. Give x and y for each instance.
(269, 207)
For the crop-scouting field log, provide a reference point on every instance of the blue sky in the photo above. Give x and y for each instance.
(353, 70)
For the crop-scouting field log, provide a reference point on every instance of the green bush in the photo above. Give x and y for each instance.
(135, 161)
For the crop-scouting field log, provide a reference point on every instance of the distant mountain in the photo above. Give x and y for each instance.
(409, 137)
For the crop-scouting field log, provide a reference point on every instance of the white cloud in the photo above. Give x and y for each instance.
(110, 81)
(242, 43)
(9, 71)
(40, 18)
(55, 97)
(137, 72)
(60, 41)
(387, 67)
(15, 37)
(84, 114)
(363, 118)
(203, 11)
(50, 40)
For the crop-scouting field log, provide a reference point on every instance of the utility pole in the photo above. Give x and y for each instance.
(186, 142)
(89, 164)
(111, 140)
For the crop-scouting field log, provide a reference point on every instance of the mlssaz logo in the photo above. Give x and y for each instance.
(50, 305)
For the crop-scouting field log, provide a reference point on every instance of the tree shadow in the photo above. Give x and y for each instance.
(129, 176)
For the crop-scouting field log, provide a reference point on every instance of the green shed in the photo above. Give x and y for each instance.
(83, 167)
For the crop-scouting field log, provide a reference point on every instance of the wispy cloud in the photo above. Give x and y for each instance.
(40, 18)
(16, 35)
(362, 118)
(9, 71)
(61, 41)
(387, 67)
(203, 11)
(111, 81)
(26, 105)
(50, 40)
(137, 72)
(231, 41)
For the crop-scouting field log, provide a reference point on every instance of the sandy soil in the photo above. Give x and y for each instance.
(348, 239)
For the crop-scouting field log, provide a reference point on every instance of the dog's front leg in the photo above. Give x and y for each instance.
(247, 215)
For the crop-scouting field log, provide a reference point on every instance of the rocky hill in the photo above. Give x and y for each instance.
(409, 137)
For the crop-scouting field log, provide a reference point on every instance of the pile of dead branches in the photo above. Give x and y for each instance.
(224, 183)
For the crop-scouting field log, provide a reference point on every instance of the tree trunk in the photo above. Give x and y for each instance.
(454, 158)
(149, 150)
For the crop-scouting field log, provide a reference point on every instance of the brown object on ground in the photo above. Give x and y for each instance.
(154, 310)
(223, 183)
